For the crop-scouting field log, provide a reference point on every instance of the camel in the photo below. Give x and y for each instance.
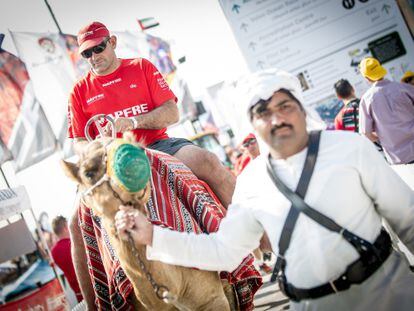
(192, 289)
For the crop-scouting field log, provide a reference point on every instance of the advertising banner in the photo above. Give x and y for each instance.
(53, 75)
(49, 297)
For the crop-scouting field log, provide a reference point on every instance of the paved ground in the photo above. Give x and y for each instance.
(269, 296)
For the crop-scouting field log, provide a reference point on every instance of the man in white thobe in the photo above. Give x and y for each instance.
(351, 184)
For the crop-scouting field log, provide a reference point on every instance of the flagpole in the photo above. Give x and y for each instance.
(4, 177)
(53, 16)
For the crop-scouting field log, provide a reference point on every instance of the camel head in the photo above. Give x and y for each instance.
(111, 172)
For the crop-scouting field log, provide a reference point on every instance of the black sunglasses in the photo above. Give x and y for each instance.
(409, 79)
(97, 49)
(249, 142)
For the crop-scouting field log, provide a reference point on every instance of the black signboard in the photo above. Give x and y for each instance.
(387, 48)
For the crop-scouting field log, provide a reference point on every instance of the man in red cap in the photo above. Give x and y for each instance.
(250, 150)
(134, 93)
(250, 146)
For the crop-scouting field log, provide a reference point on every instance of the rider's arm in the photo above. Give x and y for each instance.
(79, 144)
(159, 118)
(76, 122)
(165, 112)
(238, 235)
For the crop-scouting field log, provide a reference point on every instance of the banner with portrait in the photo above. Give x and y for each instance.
(24, 129)
(158, 51)
(53, 75)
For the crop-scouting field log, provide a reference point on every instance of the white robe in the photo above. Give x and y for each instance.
(351, 183)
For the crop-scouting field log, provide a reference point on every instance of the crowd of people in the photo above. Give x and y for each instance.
(316, 199)
(384, 114)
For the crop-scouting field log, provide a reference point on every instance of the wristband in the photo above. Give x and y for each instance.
(134, 123)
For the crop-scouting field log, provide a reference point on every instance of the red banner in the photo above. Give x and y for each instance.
(49, 297)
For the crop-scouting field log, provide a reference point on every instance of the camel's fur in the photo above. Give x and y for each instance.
(196, 289)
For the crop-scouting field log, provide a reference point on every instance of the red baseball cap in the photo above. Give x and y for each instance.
(91, 35)
(248, 137)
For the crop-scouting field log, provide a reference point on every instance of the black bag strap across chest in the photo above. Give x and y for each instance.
(300, 206)
(302, 187)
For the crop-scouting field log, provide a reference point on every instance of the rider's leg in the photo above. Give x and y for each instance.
(206, 166)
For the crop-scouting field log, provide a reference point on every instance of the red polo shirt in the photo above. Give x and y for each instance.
(135, 87)
(63, 258)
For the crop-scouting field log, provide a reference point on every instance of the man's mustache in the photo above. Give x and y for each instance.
(278, 127)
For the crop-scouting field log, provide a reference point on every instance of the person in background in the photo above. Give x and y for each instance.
(386, 114)
(250, 146)
(408, 78)
(347, 119)
(61, 253)
(249, 150)
(46, 230)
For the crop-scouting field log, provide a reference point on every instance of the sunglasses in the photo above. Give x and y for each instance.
(408, 80)
(97, 49)
(249, 142)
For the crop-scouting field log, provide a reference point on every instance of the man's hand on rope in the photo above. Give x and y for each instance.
(130, 221)
(121, 125)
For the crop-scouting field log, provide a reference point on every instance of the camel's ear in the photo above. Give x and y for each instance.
(71, 170)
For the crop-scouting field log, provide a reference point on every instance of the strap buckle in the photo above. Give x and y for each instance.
(333, 286)
(281, 257)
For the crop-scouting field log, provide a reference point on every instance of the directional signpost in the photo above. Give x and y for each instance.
(321, 41)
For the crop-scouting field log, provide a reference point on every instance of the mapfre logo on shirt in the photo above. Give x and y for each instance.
(117, 80)
(162, 83)
(95, 99)
(127, 112)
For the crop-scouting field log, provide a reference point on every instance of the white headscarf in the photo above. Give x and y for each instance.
(263, 84)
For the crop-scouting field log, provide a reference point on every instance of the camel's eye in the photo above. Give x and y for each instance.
(90, 174)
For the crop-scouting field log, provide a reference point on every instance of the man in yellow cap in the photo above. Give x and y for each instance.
(387, 116)
(408, 77)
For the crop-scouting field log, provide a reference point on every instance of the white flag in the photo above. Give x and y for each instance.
(52, 74)
(24, 129)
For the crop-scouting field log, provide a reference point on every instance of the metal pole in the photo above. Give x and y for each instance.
(4, 177)
(53, 16)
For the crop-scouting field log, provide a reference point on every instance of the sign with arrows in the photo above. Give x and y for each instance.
(321, 41)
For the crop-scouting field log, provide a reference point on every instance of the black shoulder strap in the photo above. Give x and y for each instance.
(355, 106)
(302, 187)
(300, 205)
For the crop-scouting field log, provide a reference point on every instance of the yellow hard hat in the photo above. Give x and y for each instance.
(408, 74)
(371, 68)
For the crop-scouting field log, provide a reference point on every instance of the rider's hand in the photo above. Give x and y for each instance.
(130, 220)
(121, 125)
